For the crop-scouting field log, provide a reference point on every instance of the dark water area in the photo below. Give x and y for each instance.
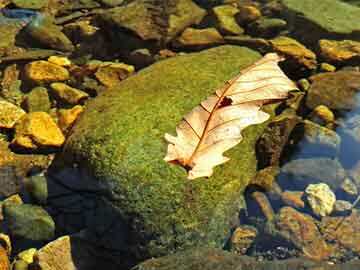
(89, 180)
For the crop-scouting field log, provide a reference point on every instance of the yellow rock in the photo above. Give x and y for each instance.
(339, 51)
(295, 51)
(5, 242)
(45, 72)
(60, 61)
(323, 113)
(68, 94)
(9, 114)
(248, 14)
(66, 118)
(27, 255)
(37, 130)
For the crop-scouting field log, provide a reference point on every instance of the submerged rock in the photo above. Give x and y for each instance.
(37, 100)
(67, 94)
(266, 27)
(327, 19)
(36, 131)
(193, 38)
(320, 198)
(297, 53)
(225, 20)
(301, 230)
(340, 52)
(216, 259)
(301, 172)
(30, 4)
(45, 72)
(29, 222)
(9, 114)
(336, 90)
(4, 259)
(242, 238)
(158, 209)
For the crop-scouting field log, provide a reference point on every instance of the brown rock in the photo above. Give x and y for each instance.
(37, 130)
(266, 177)
(9, 114)
(336, 90)
(301, 230)
(68, 94)
(293, 198)
(66, 118)
(242, 238)
(193, 38)
(264, 204)
(4, 259)
(112, 74)
(45, 72)
(248, 14)
(225, 20)
(340, 52)
(294, 50)
(344, 231)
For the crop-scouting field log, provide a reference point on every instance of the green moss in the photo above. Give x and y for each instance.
(120, 140)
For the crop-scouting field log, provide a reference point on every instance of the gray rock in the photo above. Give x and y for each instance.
(43, 30)
(301, 172)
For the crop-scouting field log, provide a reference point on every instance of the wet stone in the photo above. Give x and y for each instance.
(299, 55)
(37, 100)
(301, 230)
(322, 115)
(263, 202)
(248, 14)
(326, 67)
(320, 198)
(266, 27)
(4, 259)
(349, 187)
(259, 44)
(242, 238)
(301, 172)
(30, 4)
(29, 222)
(111, 74)
(225, 20)
(9, 114)
(341, 206)
(67, 117)
(37, 130)
(293, 198)
(67, 94)
(193, 38)
(266, 177)
(304, 84)
(340, 52)
(344, 231)
(45, 72)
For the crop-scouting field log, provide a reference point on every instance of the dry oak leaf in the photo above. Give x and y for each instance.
(215, 125)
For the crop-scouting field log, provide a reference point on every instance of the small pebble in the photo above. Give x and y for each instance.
(342, 206)
(326, 67)
(304, 84)
(349, 187)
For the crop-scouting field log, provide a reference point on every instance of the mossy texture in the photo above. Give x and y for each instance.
(327, 19)
(120, 140)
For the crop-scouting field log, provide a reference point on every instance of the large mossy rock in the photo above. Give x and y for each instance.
(314, 20)
(214, 259)
(119, 142)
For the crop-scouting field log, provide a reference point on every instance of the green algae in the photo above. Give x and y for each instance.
(119, 140)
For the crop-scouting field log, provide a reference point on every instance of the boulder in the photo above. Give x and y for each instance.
(328, 19)
(118, 143)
